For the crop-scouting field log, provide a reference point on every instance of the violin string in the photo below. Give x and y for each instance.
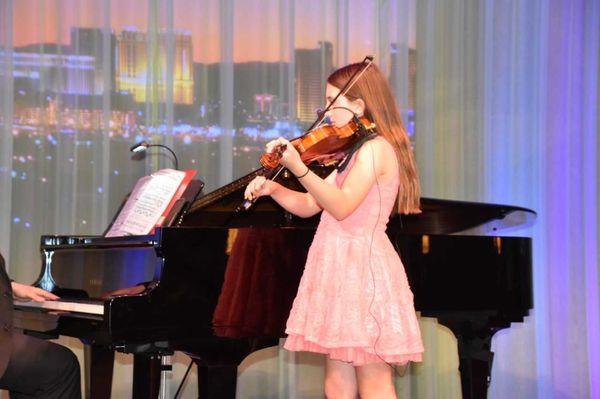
(277, 173)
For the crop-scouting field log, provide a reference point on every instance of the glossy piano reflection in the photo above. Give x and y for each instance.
(261, 279)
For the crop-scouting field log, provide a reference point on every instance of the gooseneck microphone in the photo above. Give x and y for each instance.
(144, 145)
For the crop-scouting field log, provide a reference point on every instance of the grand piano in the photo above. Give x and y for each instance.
(219, 284)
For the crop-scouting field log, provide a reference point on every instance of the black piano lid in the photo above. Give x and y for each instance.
(438, 216)
(441, 216)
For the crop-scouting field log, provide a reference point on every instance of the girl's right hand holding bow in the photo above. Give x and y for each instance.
(258, 187)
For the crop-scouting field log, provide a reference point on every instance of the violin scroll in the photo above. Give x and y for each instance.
(270, 160)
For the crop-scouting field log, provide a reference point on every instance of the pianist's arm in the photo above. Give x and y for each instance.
(24, 292)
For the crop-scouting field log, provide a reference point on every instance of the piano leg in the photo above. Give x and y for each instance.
(216, 381)
(146, 376)
(474, 338)
(99, 375)
(475, 369)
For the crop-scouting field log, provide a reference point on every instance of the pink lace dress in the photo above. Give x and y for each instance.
(354, 302)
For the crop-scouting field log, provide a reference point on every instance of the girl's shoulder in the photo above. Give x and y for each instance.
(378, 153)
(376, 147)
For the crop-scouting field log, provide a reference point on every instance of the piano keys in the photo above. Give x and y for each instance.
(84, 307)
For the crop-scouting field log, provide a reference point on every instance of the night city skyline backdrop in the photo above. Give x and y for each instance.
(257, 40)
(81, 102)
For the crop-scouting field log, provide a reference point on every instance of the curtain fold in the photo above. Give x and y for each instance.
(6, 117)
(570, 196)
(507, 112)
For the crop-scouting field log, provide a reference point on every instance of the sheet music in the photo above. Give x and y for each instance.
(146, 204)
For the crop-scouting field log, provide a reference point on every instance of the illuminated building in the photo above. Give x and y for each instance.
(90, 41)
(183, 68)
(59, 73)
(396, 68)
(133, 66)
(313, 66)
(266, 104)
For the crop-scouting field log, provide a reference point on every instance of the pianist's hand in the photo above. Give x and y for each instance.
(24, 292)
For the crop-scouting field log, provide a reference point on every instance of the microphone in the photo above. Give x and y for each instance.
(324, 119)
(144, 145)
(139, 147)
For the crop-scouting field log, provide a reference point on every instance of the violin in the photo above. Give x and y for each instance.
(323, 144)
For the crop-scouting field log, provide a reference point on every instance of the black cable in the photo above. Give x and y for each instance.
(183, 380)
(371, 269)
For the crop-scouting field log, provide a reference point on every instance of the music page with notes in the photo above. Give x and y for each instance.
(149, 202)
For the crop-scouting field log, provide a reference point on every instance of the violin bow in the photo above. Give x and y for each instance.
(272, 175)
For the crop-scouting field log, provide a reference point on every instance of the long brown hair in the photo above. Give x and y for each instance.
(380, 108)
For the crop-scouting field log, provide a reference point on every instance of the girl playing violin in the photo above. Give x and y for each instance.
(354, 303)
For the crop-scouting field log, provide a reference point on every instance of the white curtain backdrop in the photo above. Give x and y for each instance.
(6, 144)
(507, 112)
(503, 105)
